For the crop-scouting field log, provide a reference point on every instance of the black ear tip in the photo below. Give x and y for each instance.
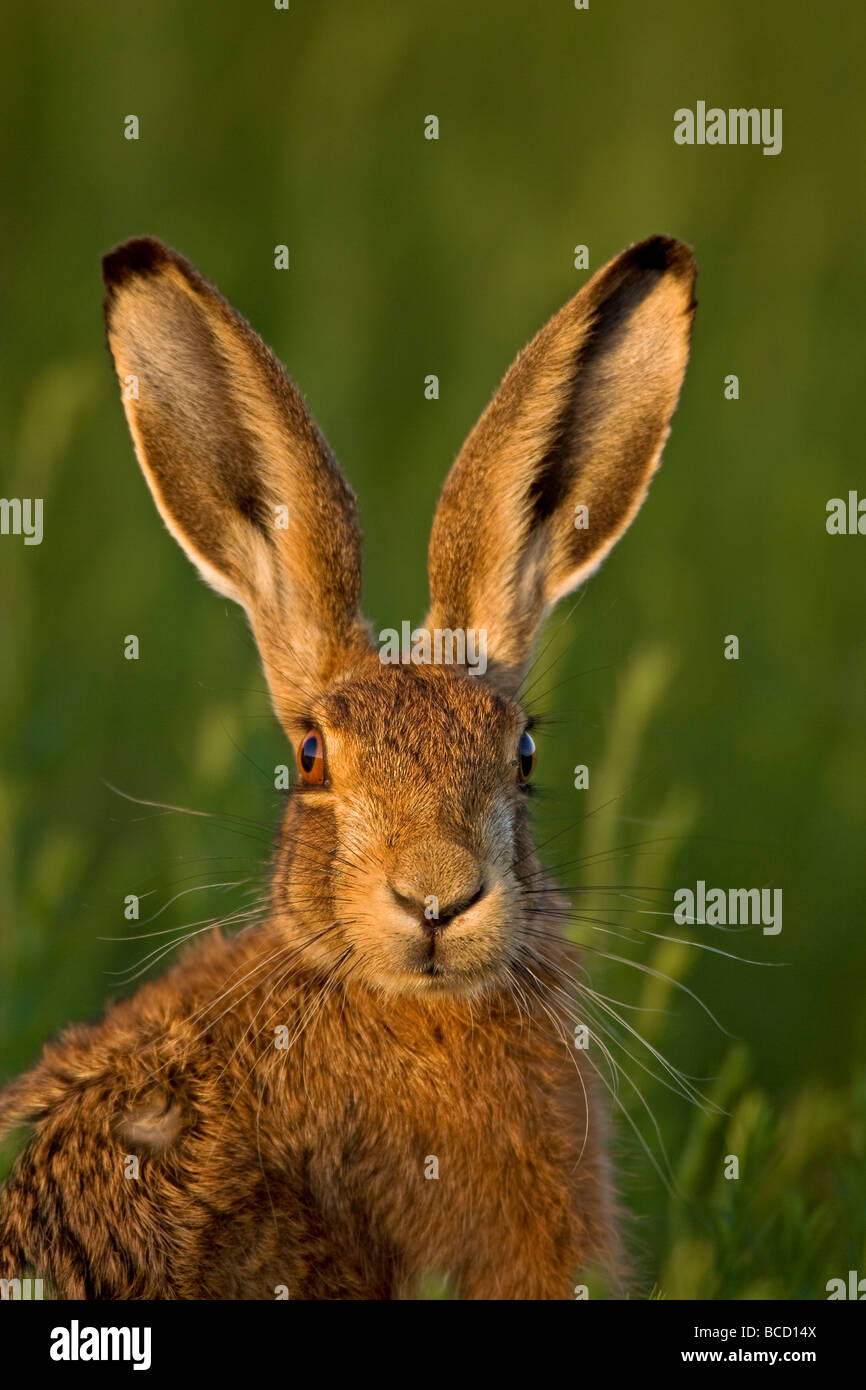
(140, 256)
(664, 253)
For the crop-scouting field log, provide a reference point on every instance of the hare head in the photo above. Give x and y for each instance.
(405, 853)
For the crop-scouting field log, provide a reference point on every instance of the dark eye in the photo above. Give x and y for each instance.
(311, 759)
(525, 757)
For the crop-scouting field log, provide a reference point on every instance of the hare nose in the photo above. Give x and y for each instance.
(433, 911)
(437, 881)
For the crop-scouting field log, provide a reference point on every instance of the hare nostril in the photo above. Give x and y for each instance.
(413, 905)
(435, 912)
(470, 901)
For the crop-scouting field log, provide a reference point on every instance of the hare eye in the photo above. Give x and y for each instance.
(311, 759)
(525, 757)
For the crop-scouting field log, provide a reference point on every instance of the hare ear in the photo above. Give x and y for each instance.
(561, 459)
(238, 469)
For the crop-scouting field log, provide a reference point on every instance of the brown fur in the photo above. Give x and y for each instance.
(303, 1166)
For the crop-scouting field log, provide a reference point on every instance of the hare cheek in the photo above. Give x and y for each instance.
(497, 830)
(304, 874)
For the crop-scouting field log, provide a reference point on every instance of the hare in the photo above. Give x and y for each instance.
(379, 1081)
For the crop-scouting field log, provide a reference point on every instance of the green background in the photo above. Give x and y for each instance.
(260, 127)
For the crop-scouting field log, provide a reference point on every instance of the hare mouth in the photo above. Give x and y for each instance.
(460, 950)
(447, 971)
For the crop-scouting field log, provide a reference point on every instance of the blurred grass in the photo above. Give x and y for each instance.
(408, 256)
(794, 1215)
